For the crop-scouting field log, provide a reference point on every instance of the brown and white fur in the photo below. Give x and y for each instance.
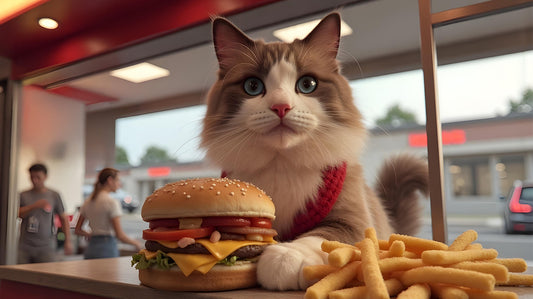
(282, 139)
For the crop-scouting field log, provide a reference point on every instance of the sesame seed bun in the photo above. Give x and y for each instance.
(204, 197)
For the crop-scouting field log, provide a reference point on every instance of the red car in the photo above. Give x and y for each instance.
(518, 210)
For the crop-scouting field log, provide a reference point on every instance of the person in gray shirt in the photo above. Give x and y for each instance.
(37, 242)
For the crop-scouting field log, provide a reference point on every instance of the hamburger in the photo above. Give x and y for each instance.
(204, 235)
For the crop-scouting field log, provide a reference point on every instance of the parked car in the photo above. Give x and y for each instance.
(127, 201)
(518, 209)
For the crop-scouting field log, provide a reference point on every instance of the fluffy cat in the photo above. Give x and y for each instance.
(282, 117)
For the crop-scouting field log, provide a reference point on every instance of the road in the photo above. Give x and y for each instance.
(490, 234)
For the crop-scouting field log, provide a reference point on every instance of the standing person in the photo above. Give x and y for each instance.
(103, 213)
(37, 207)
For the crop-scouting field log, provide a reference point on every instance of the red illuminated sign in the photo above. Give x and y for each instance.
(158, 171)
(448, 138)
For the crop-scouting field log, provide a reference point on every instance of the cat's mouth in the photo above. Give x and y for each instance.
(282, 129)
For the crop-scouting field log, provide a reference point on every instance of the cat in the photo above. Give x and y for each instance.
(281, 116)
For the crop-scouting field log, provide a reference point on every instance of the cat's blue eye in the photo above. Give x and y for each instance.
(253, 86)
(306, 84)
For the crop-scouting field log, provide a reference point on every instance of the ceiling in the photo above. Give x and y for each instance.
(76, 61)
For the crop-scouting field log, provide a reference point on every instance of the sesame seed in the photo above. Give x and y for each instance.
(243, 193)
(211, 188)
(188, 196)
(218, 192)
(232, 193)
(173, 191)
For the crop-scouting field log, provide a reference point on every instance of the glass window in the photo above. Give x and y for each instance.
(173, 133)
(470, 176)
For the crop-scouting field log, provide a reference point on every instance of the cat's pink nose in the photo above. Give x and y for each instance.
(281, 109)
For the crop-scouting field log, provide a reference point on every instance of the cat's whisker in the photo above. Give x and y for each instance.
(357, 64)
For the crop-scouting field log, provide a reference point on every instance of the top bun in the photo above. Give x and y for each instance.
(205, 197)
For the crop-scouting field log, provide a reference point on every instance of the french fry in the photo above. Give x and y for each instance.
(316, 272)
(459, 277)
(444, 257)
(443, 291)
(417, 245)
(341, 256)
(463, 240)
(333, 281)
(475, 294)
(500, 272)
(394, 287)
(518, 280)
(416, 291)
(383, 244)
(512, 264)
(329, 246)
(370, 233)
(474, 246)
(397, 248)
(411, 267)
(371, 273)
(398, 264)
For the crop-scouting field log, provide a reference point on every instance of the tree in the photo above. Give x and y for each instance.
(396, 116)
(121, 156)
(525, 105)
(154, 155)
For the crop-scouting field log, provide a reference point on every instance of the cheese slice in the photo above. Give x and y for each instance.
(168, 244)
(148, 254)
(203, 262)
(190, 262)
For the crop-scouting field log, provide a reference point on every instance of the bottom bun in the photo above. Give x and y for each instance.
(219, 278)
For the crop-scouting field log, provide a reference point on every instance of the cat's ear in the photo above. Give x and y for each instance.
(228, 39)
(326, 34)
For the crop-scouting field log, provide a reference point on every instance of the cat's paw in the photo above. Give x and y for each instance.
(280, 266)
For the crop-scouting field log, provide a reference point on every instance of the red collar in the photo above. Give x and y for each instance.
(317, 210)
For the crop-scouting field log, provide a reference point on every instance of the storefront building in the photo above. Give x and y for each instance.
(482, 158)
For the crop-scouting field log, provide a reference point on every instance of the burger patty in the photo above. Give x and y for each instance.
(197, 248)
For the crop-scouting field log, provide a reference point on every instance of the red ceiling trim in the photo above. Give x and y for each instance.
(149, 21)
(23, 10)
(87, 97)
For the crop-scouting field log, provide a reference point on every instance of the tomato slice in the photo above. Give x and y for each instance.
(226, 221)
(176, 234)
(248, 230)
(261, 222)
(164, 223)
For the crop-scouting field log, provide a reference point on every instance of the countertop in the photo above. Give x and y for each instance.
(115, 278)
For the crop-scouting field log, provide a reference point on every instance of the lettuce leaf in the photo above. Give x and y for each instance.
(161, 261)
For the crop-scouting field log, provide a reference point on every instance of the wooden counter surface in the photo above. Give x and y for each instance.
(112, 277)
(115, 278)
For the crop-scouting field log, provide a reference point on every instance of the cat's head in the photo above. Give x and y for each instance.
(280, 99)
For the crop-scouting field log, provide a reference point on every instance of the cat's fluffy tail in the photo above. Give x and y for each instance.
(401, 181)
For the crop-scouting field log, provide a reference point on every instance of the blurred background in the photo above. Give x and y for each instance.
(67, 102)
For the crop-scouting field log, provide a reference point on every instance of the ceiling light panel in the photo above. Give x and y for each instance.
(141, 72)
(300, 31)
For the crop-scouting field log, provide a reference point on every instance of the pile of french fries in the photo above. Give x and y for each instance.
(410, 267)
